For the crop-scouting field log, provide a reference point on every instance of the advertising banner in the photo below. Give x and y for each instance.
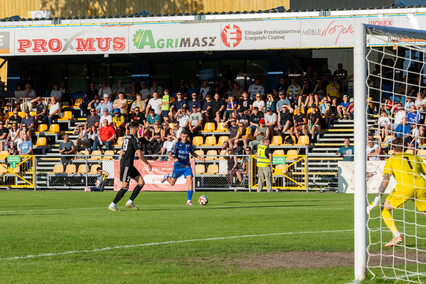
(374, 177)
(152, 178)
(284, 33)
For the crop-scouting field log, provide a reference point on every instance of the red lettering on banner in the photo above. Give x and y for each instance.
(381, 23)
(39, 45)
(55, 45)
(337, 30)
(118, 43)
(85, 45)
(106, 46)
(23, 45)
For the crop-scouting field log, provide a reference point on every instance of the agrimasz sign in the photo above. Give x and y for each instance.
(152, 38)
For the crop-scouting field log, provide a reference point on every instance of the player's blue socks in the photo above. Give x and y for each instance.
(189, 194)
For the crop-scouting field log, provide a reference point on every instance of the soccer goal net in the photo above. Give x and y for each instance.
(395, 114)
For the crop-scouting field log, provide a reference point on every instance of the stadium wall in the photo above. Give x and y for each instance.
(84, 8)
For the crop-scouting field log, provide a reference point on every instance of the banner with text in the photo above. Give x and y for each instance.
(279, 33)
(152, 178)
(374, 177)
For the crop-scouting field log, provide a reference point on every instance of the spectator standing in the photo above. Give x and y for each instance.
(26, 146)
(255, 89)
(88, 97)
(347, 151)
(106, 136)
(264, 165)
(155, 88)
(155, 104)
(92, 119)
(165, 105)
(66, 148)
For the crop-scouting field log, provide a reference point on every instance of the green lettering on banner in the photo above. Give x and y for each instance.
(278, 160)
(14, 160)
(143, 38)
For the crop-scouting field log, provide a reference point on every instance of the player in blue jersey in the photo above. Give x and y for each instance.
(181, 151)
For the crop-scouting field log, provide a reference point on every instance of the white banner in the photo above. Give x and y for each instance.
(324, 32)
(374, 177)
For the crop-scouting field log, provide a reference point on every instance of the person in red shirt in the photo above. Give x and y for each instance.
(106, 136)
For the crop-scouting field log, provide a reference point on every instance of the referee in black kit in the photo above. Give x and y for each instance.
(130, 147)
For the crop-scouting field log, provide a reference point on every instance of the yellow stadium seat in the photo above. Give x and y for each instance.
(108, 155)
(33, 113)
(221, 140)
(295, 111)
(200, 169)
(3, 155)
(41, 128)
(212, 169)
(280, 169)
(209, 127)
(171, 124)
(409, 151)
(96, 155)
(54, 128)
(94, 169)
(221, 127)
(82, 169)
(84, 153)
(279, 152)
(22, 114)
(422, 154)
(211, 155)
(276, 140)
(66, 115)
(303, 140)
(77, 102)
(199, 152)
(17, 170)
(9, 114)
(291, 155)
(197, 141)
(210, 141)
(378, 138)
(58, 169)
(41, 142)
(71, 169)
(119, 142)
(386, 139)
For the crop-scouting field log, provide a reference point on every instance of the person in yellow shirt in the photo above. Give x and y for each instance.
(165, 105)
(407, 169)
(118, 122)
(243, 135)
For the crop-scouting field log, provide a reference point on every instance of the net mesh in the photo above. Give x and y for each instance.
(397, 108)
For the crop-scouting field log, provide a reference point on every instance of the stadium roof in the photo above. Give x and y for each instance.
(278, 12)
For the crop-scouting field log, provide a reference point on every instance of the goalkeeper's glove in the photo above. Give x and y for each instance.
(373, 204)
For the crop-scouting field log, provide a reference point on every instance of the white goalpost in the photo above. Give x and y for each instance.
(389, 68)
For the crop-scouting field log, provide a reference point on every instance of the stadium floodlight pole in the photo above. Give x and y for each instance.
(360, 165)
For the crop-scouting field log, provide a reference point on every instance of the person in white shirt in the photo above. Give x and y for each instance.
(154, 103)
(415, 137)
(420, 102)
(373, 150)
(29, 92)
(54, 111)
(167, 147)
(19, 93)
(399, 112)
(271, 120)
(384, 125)
(205, 89)
(56, 92)
(259, 103)
(144, 92)
(255, 89)
(104, 90)
(106, 116)
(408, 103)
(183, 117)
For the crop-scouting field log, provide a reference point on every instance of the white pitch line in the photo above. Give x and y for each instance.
(167, 243)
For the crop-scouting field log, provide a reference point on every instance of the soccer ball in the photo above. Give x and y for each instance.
(203, 200)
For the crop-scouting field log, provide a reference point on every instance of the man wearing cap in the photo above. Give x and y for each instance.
(106, 116)
(264, 165)
(342, 108)
(282, 101)
(285, 118)
(314, 119)
(260, 133)
(118, 122)
(92, 119)
(271, 120)
(105, 104)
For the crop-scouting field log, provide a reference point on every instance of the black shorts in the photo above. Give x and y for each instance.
(127, 173)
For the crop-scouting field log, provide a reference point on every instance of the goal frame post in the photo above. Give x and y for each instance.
(360, 130)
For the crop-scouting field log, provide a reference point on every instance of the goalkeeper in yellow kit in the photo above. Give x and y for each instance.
(407, 169)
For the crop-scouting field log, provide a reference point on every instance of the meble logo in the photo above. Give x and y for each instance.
(145, 38)
(231, 35)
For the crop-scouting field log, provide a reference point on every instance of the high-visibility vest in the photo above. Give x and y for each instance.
(262, 160)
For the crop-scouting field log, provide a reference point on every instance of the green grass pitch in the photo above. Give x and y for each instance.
(57, 237)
